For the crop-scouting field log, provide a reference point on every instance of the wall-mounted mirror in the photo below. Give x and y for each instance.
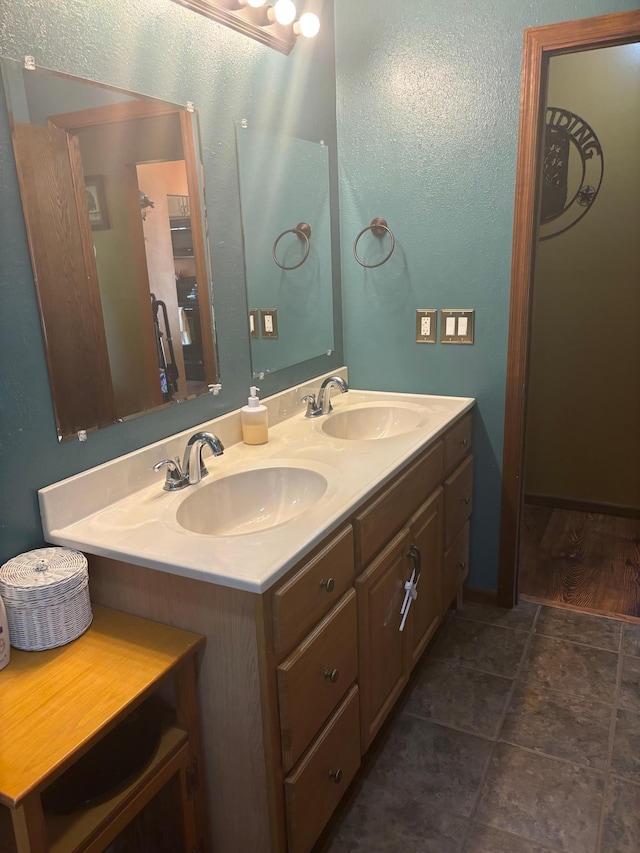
(284, 186)
(111, 186)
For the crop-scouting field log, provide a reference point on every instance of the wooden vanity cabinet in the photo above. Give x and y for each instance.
(278, 690)
(296, 682)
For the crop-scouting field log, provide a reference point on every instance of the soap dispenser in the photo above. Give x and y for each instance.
(254, 420)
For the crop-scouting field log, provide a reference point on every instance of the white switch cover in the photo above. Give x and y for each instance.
(253, 323)
(457, 325)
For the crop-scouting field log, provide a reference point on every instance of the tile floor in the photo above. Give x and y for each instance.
(520, 733)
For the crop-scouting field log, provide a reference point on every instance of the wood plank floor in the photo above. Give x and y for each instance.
(581, 559)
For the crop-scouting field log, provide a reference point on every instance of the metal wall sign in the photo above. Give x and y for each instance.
(572, 169)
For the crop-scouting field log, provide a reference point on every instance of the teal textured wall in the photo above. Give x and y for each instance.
(157, 48)
(428, 100)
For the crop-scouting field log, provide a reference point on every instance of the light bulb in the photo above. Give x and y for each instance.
(285, 11)
(308, 25)
(255, 3)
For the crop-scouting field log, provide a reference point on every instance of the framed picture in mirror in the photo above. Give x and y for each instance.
(96, 202)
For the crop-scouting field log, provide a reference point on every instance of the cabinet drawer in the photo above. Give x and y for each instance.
(312, 592)
(315, 676)
(458, 499)
(457, 441)
(376, 524)
(316, 787)
(456, 566)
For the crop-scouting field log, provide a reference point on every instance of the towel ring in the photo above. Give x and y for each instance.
(302, 232)
(378, 228)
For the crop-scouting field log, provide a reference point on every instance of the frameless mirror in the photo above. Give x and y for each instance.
(114, 208)
(284, 194)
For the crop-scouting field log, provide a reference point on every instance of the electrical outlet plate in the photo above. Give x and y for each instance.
(426, 319)
(254, 331)
(457, 325)
(269, 322)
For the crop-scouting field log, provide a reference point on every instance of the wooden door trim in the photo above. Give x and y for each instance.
(152, 395)
(540, 43)
(193, 168)
(78, 120)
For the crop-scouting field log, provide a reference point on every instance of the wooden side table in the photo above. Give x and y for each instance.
(55, 705)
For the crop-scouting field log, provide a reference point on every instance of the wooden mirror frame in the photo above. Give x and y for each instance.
(540, 44)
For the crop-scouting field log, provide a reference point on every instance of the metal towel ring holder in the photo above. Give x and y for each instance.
(302, 232)
(378, 228)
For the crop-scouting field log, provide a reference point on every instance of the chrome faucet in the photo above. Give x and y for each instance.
(323, 405)
(193, 468)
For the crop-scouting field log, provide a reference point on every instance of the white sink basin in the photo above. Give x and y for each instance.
(251, 501)
(372, 422)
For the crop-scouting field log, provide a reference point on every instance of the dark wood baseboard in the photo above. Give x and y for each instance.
(594, 611)
(582, 506)
(480, 596)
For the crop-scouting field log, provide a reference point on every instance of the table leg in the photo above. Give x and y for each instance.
(28, 826)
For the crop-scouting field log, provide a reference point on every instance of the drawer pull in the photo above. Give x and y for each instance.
(331, 675)
(462, 566)
(464, 442)
(329, 584)
(336, 775)
(466, 500)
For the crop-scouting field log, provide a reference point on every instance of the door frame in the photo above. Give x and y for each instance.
(540, 44)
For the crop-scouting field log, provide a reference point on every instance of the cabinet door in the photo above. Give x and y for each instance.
(424, 553)
(383, 662)
(455, 567)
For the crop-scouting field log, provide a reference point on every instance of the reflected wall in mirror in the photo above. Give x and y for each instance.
(284, 183)
(114, 208)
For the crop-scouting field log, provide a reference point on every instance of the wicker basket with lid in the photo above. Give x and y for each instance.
(46, 595)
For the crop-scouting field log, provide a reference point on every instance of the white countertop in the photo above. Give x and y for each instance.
(120, 510)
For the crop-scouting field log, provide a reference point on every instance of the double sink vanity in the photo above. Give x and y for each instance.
(291, 558)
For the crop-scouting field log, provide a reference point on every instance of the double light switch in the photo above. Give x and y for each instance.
(456, 326)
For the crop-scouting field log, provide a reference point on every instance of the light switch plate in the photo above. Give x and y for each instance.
(457, 325)
(269, 322)
(254, 331)
(426, 320)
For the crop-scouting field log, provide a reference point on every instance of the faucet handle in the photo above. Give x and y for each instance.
(313, 410)
(175, 478)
